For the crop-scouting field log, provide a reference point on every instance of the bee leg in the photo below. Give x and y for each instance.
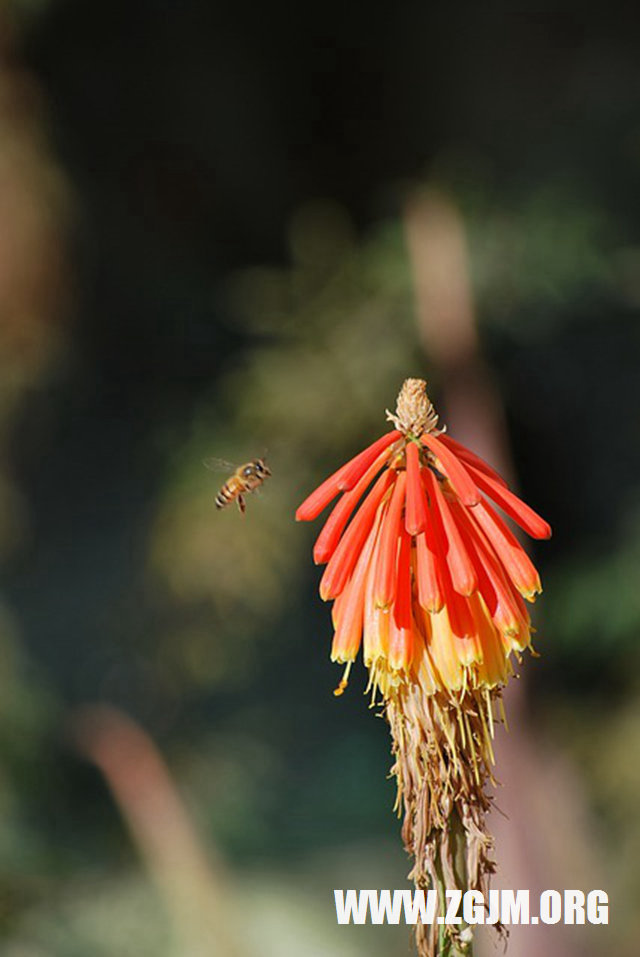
(241, 504)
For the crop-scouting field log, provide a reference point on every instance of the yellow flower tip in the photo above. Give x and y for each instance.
(530, 594)
(382, 605)
(385, 679)
(414, 412)
(401, 647)
(344, 681)
(511, 631)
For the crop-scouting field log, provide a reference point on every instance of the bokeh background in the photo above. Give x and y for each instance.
(226, 229)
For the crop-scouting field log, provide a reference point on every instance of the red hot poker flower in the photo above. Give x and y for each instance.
(430, 580)
(430, 551)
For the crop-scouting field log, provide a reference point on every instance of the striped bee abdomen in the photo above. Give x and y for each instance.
(225, 496)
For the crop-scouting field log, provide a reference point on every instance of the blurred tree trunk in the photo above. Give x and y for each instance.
(541, 834)
(194, 889)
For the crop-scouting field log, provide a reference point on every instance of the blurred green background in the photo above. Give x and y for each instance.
(202, 254)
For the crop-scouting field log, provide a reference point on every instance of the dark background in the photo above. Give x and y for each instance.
(201, 174)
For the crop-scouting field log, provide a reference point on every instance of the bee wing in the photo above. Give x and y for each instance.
(219, 465)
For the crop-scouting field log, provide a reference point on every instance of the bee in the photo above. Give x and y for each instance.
(246, 478)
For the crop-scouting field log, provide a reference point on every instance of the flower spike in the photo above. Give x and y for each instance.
(429, 579)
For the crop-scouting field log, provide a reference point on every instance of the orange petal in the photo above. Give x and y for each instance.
(334, 526)
(401, 645)
(449, 651)
(402, 603)
(499, 595)
(343, 560)
(416, 512)
(429, 590)
(514, 507)
(376, 620)
(441, 666)
(463, 576)
(327, 491)
(348, 610)
(515, 560)
(358, 465)
(470, 458)
(387, 566)
(426, 673)
(453, 468)
(319, 498)
(494, 667)
(456, 605)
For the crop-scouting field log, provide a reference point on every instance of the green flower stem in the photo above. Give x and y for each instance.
(451, 945)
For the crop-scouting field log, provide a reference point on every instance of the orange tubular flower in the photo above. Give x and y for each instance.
(425, 536)
(423, 568)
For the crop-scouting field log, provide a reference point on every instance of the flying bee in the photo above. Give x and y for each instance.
(246, 478)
